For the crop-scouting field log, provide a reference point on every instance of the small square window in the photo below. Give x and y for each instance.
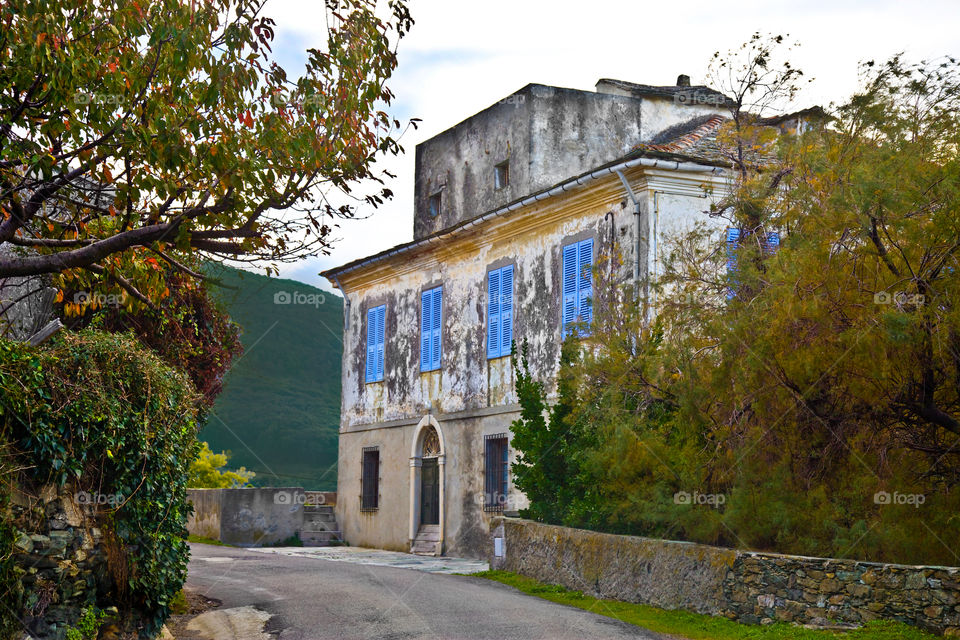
(435, 204)
(501, 175)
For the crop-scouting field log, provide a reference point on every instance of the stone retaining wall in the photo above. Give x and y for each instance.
(744, 586)
(61, 559)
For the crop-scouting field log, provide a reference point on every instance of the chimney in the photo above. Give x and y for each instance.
(683, 80)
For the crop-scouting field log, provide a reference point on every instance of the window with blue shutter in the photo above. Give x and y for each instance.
(770, 244)
(500, 312)
(376, 318)
(577, 277)
(431, 322)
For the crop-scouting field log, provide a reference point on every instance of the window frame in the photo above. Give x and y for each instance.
(500, 315)
(582, 289)
(365, 490)
(496, 471)
(435, 199)
(431, 313)
(376, 344)
(501, 175)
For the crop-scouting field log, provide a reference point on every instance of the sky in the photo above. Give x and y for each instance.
(461, 57)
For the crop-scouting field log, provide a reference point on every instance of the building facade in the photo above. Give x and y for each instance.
(514, 207)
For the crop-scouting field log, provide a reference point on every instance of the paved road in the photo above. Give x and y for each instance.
(312, 598)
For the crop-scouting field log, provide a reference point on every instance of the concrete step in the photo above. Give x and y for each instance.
(318, 508)
(319, 517)
(429, 536)
(320, 526)
(424, 548)
(429, 528)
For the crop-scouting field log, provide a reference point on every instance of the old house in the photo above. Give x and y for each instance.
(512, 207)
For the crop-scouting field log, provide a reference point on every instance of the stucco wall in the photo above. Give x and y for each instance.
(205, 519)
(745, 586)
(466, 524)
(246, 517)
(547, 134)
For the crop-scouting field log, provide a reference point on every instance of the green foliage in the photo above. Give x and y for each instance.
(187, 329)
(88, 626)
(292, 365)
(206, 471)
(817, 410)
(167, 129)
(695, 626)
(99, 413)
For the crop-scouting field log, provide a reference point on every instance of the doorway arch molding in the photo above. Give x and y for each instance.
(426, 424)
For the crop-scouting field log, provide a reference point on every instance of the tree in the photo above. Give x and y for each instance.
(137, 132)
(207, 472)
(814, 392)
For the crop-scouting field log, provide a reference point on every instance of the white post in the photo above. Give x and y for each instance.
(442, 463)
(415, 463)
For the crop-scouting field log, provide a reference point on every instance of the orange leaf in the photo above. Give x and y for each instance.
(248, 119)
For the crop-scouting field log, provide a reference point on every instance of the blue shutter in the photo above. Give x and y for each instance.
(773, 242)
(569, 276)
(371, 345)
(506, 310)
(436, 326)
(493, 314)
(585, 282)
(733, 241)
(426, 319)
(381, 320)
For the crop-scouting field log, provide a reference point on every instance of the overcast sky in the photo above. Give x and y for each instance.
(461, 57)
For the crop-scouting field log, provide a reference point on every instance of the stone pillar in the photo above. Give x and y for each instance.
(415, 464)
(442, 464)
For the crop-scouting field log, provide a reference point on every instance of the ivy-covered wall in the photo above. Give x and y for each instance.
(99, 434)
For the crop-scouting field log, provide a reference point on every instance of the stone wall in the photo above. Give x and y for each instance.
(61, 559)
(744, 586)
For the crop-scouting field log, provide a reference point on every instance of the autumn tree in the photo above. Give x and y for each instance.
(165, 129)
(814, 387)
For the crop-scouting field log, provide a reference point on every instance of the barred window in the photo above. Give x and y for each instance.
(370, 480)
(497, 468)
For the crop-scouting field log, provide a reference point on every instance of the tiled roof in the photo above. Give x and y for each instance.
(682, 94)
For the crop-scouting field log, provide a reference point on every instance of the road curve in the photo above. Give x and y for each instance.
(309, 598)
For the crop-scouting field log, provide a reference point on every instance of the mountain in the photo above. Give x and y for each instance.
(279, 412)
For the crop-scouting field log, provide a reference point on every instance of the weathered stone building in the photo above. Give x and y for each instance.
(512, 206)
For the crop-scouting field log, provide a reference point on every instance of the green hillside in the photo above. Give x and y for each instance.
(280, 408)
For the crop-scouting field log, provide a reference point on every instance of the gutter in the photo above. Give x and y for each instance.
(572, 183)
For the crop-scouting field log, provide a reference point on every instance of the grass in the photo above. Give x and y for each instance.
(202, 540)
(694, 626)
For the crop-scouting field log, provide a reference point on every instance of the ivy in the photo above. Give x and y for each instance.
(98, 412)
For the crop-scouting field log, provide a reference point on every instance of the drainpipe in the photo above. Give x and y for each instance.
(346, 304)
(636, 216)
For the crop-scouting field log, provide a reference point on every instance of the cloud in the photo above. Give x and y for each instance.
(462, 57)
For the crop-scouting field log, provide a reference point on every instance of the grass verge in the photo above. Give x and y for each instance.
(202, 540)
(695, 626)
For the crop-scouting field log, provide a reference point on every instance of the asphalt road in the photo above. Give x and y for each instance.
(308, 598)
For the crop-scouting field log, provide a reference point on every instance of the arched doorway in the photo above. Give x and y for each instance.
(427, 471)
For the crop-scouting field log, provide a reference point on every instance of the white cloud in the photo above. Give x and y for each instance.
(462, 57)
